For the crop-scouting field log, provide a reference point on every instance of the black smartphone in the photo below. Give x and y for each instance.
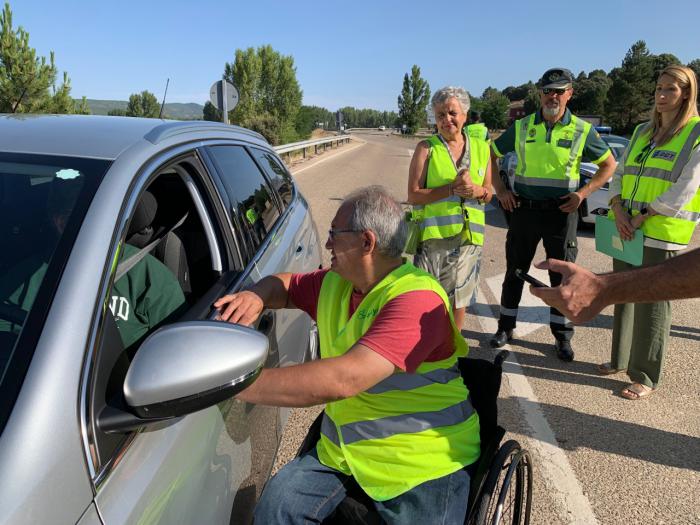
(529, 279)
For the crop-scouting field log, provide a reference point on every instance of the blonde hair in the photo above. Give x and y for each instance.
(688, 82)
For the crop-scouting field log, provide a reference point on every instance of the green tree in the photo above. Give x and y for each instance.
(144, 104)
(211, 113)
(663, 60)
(495, 110)
(631, 93)
(695, 66)
(590, 93)
(268, 89)
(308, 119)
(413, 100)
(117, 112)
(82, 107)
(28, 82)
(517, 92)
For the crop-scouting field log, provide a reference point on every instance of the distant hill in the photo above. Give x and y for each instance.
(175, 110)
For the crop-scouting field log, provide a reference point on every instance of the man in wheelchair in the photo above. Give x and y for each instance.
(398, 419)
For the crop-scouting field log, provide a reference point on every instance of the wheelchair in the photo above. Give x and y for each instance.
(501, 480)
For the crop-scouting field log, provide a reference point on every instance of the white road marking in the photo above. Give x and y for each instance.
(410, 153)
(561, 481)
(325, 158)
(533, 313)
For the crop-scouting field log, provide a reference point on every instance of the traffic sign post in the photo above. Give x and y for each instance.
(224, 96)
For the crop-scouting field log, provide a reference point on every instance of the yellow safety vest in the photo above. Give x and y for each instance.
(650, 172)
(549, 161)
(409, 428)
(451, 216)
(478, 131)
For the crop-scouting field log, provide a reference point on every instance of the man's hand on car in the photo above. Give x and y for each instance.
(572, 202)
(240, 308)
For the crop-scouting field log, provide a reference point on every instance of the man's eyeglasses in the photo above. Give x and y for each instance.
(333, 232)
(554, 91)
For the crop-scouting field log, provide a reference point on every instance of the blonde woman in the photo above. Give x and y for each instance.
(655, 189)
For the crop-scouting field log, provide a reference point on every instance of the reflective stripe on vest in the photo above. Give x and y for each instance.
(411, 381)
(548, 164)
(390, 426)
(446, 217)
(422, 423)
(650, 172)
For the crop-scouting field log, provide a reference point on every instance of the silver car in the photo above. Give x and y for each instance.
(116, 381)
(599, 199)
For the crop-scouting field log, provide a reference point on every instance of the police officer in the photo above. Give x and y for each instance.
(550, 145)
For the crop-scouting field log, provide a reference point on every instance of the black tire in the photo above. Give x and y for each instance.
(506, 496)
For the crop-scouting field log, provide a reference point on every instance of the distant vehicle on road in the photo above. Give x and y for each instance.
(382, 128)
(598, 199)
(107, 417)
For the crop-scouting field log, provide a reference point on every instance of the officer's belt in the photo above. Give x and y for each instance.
(547, 205)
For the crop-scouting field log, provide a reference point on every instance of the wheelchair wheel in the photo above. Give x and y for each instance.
(506, 495)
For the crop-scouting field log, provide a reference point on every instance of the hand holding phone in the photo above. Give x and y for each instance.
(529, 279)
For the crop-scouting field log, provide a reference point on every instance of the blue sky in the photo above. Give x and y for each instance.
(351, 53)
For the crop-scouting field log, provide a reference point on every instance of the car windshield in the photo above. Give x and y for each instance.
(617, 144)
(43, 201)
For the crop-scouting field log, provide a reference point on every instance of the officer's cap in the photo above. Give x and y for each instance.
(557, 77)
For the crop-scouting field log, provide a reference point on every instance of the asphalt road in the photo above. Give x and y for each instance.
(598, 457)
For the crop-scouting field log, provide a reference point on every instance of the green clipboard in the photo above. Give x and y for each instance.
(609, 242)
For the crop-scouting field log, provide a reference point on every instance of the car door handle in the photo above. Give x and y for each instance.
(267, 321)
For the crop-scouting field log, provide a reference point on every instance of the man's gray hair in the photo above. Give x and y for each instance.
(373, 208)
(442, 95)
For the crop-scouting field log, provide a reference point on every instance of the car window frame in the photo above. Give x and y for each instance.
(186, 153)
(283, 206)
(253, 253)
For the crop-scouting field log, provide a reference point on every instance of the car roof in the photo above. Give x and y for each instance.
(614, 138)
(95, 136)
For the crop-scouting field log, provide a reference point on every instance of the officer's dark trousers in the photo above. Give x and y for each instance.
(527, 227)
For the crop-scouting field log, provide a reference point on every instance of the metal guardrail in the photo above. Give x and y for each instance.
(315, 143)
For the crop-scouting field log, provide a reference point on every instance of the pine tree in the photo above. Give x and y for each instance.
(413, 100)
(26, 80)
(631, 93)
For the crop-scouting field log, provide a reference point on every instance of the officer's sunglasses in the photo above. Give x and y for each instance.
(333, 232)
(555, 91)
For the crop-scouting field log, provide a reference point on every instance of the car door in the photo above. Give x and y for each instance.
(209, 466)
(297, 252)
(289, 242)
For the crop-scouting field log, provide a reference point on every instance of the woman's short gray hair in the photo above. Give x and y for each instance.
(442, 95)
(373, 208)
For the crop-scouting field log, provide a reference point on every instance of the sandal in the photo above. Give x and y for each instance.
(636, 391)
(606, 369)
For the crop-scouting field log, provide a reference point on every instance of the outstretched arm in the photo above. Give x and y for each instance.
(583, 294)
(318, 382)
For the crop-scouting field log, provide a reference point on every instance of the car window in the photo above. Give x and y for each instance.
(617, 145)
(279, 177)
(251, 201)
(43, 201)
(169, 268)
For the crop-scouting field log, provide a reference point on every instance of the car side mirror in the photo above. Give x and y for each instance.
(186, 367)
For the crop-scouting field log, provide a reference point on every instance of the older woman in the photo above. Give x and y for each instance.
(449, 182)
(655, 189)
